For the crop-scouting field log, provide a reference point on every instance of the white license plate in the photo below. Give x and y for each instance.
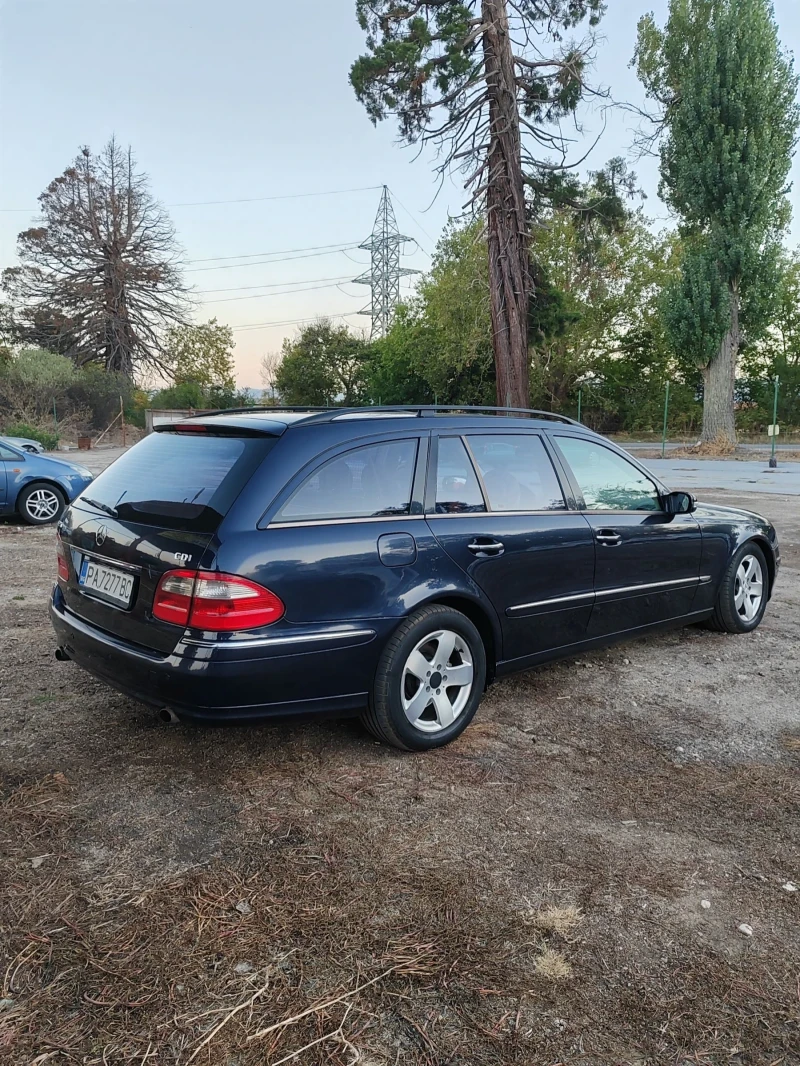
(105, 582)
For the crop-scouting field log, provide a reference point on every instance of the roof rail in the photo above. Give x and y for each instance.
(420, 410)
(266, 408)
(331, 414)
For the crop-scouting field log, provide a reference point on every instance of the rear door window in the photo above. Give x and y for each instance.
(374, 481)
(517, 472)
(182, 481)
(457, 488)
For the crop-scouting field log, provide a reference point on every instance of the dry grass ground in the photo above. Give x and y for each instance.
(531, 895)
(690, 452)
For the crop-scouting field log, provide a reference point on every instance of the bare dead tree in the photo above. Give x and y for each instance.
(270, 364)
(99, 279)
(489, 83)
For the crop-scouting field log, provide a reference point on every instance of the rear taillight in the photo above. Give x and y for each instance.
(173, 600)
(61, 555)
(218, 602)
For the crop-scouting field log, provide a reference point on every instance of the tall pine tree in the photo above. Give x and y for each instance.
(727, 121)
(486, 81)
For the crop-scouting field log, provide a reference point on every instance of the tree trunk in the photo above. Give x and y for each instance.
(719, 378)
(507, 229)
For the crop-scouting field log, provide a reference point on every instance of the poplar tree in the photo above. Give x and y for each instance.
(727, 121)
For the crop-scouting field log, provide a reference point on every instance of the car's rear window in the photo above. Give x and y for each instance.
(180, 481)
(369, 482)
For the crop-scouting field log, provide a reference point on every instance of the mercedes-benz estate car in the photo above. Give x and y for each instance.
(388, 563)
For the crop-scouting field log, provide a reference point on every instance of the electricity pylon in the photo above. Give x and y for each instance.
(383, 276)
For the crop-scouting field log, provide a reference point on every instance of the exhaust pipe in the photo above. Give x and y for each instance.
(62, 655)
(167, 715)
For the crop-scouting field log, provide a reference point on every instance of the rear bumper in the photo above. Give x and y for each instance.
(320, 670)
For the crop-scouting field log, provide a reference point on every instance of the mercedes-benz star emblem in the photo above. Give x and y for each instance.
(100, 535)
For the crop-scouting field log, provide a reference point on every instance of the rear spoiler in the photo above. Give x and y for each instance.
(229, 427)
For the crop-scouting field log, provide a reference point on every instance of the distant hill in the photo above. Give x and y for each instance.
(253, 394)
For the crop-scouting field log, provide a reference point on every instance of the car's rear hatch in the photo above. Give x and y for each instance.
(157, 508)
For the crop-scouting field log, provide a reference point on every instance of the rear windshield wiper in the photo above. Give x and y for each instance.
(102, 507)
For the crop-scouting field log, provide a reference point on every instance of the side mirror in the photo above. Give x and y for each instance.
(679, 503)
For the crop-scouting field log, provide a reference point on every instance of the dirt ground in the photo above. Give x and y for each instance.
(563, 885)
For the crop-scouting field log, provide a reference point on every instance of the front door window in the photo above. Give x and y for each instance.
(607, 480)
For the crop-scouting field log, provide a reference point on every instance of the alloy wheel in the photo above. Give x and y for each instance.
(437, 681)
(748, 590)
(42, 505)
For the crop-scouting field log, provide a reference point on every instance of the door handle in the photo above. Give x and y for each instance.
(609, 537)
(486, 547)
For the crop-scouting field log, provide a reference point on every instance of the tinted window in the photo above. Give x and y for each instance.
(608, 482)
(6, 453)
(364, 483)
(457, 488)
(180, 481)
(517, 473)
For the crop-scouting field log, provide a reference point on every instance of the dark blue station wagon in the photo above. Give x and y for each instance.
(387, 562)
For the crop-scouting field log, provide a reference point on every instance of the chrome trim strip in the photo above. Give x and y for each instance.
(686, 581)
(105, 560)
(548, 603)
(268, 642)
(344, 521)
(507, 514)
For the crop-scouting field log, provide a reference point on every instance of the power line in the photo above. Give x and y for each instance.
(284, 196)
(245, 200)
(281, 251)
(414, 220)
(267, 262)
(284, 292)
(291, 321)
(276, 285)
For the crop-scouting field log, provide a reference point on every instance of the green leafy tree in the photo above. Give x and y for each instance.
(777, 354)
(323, 365)
(487, 82)
(203, 355)
(727, 118)
(613, 345)
(594, 320)
(397, 364)
(187, 396)
(440, 345)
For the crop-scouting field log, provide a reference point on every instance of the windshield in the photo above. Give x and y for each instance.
(185, 482)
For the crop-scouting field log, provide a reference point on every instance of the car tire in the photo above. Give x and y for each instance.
(407, 712)
(743, 592)
(40, 504)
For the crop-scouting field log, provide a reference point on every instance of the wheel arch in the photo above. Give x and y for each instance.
(480, 619)
(769, 554)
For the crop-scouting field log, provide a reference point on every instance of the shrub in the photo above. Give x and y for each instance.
(32, 383)
(99, 392)
(45, 437)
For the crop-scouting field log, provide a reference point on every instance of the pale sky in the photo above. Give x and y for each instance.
(250, 99)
